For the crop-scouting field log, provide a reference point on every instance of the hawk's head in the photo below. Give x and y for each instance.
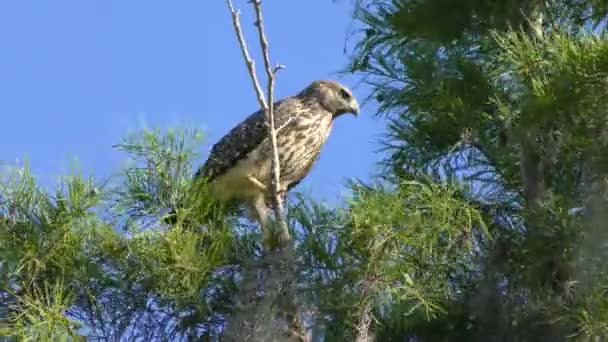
(333, 96)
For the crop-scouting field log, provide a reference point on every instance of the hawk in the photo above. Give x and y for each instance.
(239, 167)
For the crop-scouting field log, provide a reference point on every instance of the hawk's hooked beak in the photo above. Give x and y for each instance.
(354, 107)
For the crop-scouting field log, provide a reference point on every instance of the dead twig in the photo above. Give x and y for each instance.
(267, 103)
(236, 22)
(278, 283)
(270, 74)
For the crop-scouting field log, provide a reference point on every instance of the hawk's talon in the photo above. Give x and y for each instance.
(257, 183)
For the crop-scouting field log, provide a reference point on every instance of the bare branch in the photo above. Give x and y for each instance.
(267, 104)
(258, 316)
(245, 51)
(270, 74)
(277, 68)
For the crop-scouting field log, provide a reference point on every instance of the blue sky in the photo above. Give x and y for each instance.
(76, 76)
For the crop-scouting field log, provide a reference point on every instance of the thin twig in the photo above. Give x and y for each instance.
(245, 51)
(270, 74)
(267, 104)
(280, 271)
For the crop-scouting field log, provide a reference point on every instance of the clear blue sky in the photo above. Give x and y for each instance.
(76, 75)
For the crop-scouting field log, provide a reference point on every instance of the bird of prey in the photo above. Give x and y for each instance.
(239, 167)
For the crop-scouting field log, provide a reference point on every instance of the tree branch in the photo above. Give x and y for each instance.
(245, 51)
(270, 74)
(267, 104)
(257, 316)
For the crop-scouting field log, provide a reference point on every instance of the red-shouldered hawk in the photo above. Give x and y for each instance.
(239, 166)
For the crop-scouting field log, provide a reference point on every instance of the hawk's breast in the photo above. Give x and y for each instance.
(300, 146)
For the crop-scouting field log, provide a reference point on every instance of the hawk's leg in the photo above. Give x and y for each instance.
(259, 211)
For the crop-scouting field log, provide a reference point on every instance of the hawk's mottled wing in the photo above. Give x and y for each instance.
(244, 138)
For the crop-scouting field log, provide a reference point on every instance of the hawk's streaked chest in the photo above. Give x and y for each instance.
(300, 146)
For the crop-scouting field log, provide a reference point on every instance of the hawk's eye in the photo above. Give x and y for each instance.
(344, 94)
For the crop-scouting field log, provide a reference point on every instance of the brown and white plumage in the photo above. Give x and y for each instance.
(239, 166)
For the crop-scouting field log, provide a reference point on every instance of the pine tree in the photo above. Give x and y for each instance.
(509, 97)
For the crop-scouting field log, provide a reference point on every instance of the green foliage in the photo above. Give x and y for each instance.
(68, 265)
(561, 82)
(394, 247)
(113, 281)
(592, 317)
(157, 175)
(42, 242)
(42, 318)
(502, 95)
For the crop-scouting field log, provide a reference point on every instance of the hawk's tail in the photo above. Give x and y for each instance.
(171, 217)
